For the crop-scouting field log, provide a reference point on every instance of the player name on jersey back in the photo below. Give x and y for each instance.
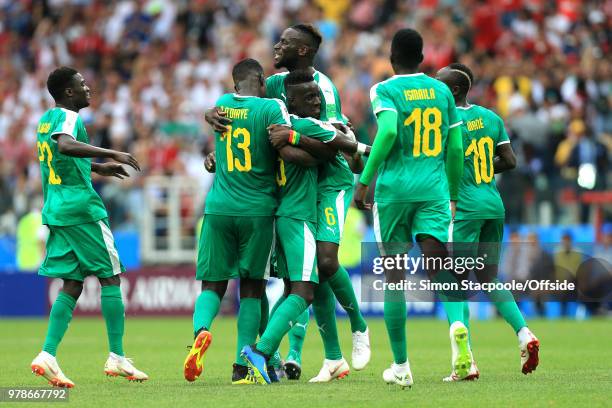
(245, 180)
(414, 169)
(482, 132)
(69, 196)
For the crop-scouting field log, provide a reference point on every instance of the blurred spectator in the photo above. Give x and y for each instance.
(31, 238)
(155, 65)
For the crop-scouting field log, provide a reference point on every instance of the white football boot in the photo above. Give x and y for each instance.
(46, 365)
(331, 370)
(398, 374)
(118, 366)
(530, 348)
(361, 350)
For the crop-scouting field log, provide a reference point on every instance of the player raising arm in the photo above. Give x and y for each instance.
(480, 210)
(80, 241)
(418, 126)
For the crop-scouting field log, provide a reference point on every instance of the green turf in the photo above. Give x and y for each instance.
(575, 370)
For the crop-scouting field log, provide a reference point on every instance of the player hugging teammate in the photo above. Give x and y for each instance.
(284, 160)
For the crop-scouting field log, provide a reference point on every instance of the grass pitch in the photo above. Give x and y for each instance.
(575, 367)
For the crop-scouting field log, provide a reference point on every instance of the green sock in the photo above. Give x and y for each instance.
(296, 335)
(511, 313)
(451, 300)
(466, 320)
(206, 308)
(248, 325)
(265, 313)
(324, 308)
(342, 286)
(114, 315)
(286, 316)
(395, 321)
(277, 304)
(274, 308)
(59, 319)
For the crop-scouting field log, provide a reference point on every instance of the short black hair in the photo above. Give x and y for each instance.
(312, 33)
(243, 69)
(407, 48)
(298, 77)
(59, 80)
(464, 82)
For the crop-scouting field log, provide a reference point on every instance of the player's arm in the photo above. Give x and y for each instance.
(295, 155)
(109, 169)
(67, 145)
(454, 161)
(281, 136)
(345, 141)
(216, 118)
(504, 159)
(385, 138)
(355, 162)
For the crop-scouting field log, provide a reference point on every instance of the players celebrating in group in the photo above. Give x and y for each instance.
(285, 159)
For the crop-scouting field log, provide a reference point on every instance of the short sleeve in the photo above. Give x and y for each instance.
(333, 107)
(503, 135)
(275, 87)
(454, 119)
(66, 126)
(380, 99)
(322, 131)
(278, 114)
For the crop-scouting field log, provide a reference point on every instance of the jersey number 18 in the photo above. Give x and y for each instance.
(426, 122)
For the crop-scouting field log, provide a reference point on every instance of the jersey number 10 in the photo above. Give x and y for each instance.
(244, 146)
(426, 122)
(483, 165)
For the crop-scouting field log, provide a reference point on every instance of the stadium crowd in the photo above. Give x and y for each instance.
(154, 66)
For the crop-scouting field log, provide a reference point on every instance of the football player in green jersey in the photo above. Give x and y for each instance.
(80, 241)
(296, 219)
(238, 229)
(418, 154)
(480, 211)
(296, 49)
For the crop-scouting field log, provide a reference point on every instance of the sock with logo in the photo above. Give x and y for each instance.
(296, 335)
(283, 319)
(342, 287)
(324, 308)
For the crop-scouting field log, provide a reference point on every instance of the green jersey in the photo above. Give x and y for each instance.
(331, 110)
(335, 174)
(482, 132)
(245, 181)
(70, 199)
(415, 167)
(297, 184)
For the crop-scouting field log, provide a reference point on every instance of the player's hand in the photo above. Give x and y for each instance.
(112, 170)
(361, 193)
(453, 208)
(279, 135)
(216, 118)
(126, 158)
(210, 163)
